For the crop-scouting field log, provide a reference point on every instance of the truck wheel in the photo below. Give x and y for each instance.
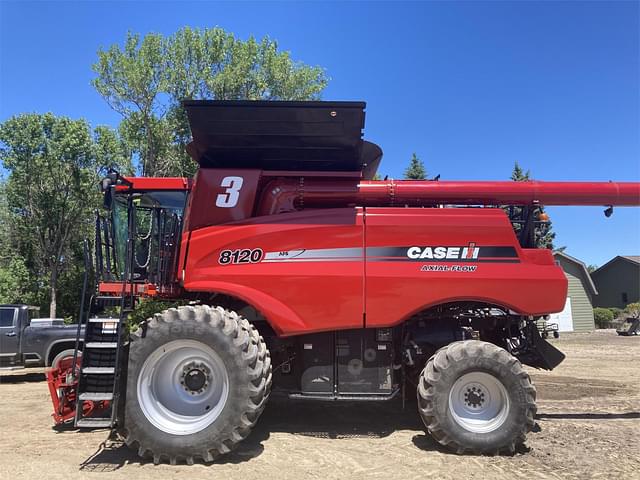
(475, 397)
(65, 354)
(198, 379)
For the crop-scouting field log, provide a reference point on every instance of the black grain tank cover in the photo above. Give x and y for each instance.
(276, 135)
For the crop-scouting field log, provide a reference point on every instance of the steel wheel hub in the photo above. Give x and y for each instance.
(195, 378)
(183, 387)
(474, 397)
(478, 402)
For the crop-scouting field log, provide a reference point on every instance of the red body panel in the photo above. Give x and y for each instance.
(397, 289)
(202, 210)
(296, 296)
(338, 277)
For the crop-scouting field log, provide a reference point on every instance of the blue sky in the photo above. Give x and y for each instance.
(471, 87)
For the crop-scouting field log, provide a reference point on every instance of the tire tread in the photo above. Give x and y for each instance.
(254, 358)
(443, 359)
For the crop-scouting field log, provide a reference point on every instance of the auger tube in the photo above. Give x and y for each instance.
(283, 194)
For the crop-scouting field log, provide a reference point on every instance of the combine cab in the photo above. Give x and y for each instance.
(298, 273)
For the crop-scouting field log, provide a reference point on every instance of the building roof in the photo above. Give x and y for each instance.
(583, 267)
(634, 259)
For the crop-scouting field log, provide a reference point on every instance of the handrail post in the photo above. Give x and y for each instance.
(85, 281)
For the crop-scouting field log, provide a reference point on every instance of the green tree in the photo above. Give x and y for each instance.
(616, 312)
(145, 79)
(53, 165)
(519, 175)
(602, 317)
(16, 282)
(633, 309)
(111, 152)
(415, 170)
(591, 268)
(544, 233)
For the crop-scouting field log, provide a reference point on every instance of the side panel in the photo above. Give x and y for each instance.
(304, 270)
(221, 196)
(41, 341)
(416, 258)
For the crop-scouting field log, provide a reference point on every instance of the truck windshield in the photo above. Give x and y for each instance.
(156, 215)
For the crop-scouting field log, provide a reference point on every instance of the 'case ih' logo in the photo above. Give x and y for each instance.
(470, 252)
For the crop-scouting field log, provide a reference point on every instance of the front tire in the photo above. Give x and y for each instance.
(475, 397)
(199, 377)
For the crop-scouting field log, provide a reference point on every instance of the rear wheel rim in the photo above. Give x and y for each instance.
(183, 387)
(478, 402)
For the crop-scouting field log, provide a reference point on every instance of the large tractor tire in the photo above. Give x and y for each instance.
(475, 397)
(198, 379)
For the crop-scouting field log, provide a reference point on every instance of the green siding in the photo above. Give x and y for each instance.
(581, 301)
(612, 280)
(581, 308)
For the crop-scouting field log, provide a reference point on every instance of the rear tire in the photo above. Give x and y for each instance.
(199, 377)
(475, 397)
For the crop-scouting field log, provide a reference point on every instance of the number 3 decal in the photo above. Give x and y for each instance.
(229, 199)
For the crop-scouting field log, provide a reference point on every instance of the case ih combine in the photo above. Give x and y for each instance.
(299, 274)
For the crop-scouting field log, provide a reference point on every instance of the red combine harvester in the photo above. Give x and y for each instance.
(298, 273)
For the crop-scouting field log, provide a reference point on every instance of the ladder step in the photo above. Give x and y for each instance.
(107, 298)
(96, 396)
(101, 345)
(94, 422)
(99, 370)
(104, 320)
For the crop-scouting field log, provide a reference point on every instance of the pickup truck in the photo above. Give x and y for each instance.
(26, 341)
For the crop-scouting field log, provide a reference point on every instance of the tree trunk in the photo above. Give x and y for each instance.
(148, 164)
(53, 291)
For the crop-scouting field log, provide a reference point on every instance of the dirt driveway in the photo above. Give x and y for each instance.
(588, 427)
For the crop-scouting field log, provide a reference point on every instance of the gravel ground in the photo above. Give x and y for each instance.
(588, 426)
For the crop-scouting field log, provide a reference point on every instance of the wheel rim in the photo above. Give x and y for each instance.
(479, 402)
(183, 387)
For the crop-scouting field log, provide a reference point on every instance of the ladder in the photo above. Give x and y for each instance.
(100, 368)
(104, 352)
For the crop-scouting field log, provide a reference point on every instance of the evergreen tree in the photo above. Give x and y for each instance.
(544, 233)
(415, 170)
(519, 175)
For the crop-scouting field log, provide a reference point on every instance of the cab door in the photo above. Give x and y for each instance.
(9, 336)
